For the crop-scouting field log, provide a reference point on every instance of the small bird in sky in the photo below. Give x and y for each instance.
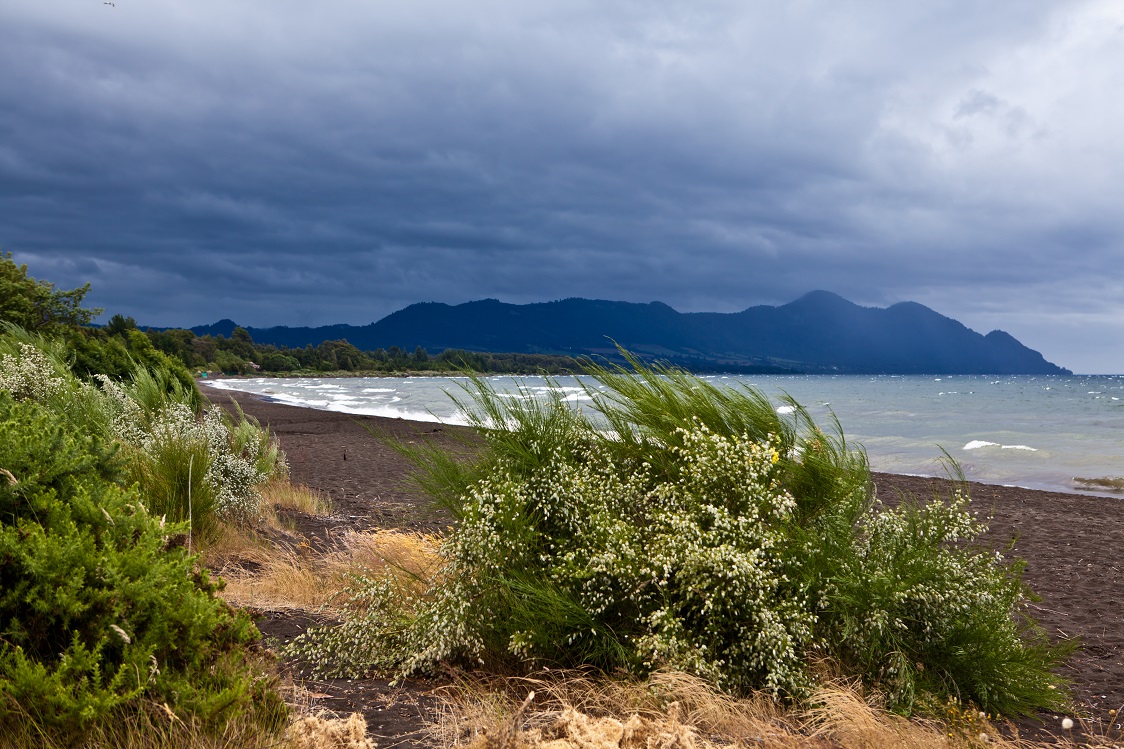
(109, 3)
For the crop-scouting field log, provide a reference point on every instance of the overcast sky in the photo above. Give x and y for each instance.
(284, 162)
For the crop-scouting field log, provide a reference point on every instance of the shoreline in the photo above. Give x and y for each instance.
(1114, 488)
(1070, 541)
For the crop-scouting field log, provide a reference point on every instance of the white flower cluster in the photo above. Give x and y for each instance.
(376, 635)
(126, 417)
(29, 375)
(233, 477)
(922, 587)
(684, 570)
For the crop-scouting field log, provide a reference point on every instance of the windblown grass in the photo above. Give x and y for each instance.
(700, 528)
(282, 494)
(674, 710)
(274, 578)
(172, 475)
(249, 437)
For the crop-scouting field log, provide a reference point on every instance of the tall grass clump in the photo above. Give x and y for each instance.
(189, 464)
(678, 524)
(189, 467)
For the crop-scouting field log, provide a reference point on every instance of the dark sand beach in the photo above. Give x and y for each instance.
(1072, 544)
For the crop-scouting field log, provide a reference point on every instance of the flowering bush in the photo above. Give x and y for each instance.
(29, 375)
(215, 464)
(692, 527)
(226, 461)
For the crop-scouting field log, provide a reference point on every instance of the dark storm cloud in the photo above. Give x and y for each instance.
(287, 163)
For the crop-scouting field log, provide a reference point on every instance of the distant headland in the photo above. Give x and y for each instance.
(820, 332)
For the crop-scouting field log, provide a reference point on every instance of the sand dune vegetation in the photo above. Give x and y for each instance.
(680, 567)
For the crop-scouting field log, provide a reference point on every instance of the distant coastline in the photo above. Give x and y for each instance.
(820, 333)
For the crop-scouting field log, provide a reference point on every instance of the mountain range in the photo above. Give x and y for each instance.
(820, 332)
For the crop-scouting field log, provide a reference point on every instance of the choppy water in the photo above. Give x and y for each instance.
(1033, 431)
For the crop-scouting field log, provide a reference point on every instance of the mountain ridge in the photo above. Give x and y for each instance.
(820, 332)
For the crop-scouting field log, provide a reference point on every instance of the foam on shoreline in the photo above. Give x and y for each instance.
(1024, 437)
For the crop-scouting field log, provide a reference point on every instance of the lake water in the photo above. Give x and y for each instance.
(1040, 432)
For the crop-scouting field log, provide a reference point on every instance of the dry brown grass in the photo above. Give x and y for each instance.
(246, 542)
(297, 578)
(322, 732)
(677, 711)
(283, 494)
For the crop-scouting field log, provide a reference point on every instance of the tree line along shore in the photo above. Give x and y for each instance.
(238, 354)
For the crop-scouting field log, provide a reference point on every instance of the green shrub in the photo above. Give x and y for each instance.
(187, 467)
(692, 526)
(97, 618)
(278, 362)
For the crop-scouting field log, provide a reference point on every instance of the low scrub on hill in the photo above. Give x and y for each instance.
(676, 524)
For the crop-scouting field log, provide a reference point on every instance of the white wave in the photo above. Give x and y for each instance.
(786, 410)
(221, 384)
(379, 390)
(977, 444)
(390, 412)
(301, 402)
(359, 408)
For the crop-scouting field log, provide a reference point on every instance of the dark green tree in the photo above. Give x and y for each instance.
(120, 325)
(37, 305)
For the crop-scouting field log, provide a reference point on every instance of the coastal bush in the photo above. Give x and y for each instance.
(37, 307)
(189, 467)
(679, 524)
(278, 362)
(99, 619)
(97, 351)
(186, 466)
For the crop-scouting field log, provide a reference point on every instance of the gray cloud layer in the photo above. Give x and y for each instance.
(306, 163)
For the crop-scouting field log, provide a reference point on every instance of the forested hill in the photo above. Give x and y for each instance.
(820, 332)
